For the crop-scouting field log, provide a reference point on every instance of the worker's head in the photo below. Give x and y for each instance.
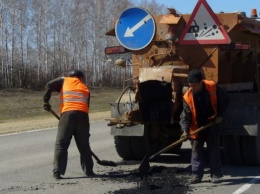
(195, 79)
(76, 73)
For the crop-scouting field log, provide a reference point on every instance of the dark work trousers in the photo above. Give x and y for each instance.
(73, 123)
(210, 136)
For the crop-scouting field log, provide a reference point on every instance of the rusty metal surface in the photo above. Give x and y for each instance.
(251, 24)
(222, 66)
(124, 122)
(111, 32)
(170, 19)
(163, 73)
(160, 79)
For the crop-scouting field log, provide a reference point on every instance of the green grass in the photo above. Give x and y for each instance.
(19, 104)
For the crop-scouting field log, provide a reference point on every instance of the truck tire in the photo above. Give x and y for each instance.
(175, 137)
(232, 149)
(251, 149)
(144, 144)
(177, 148)
(140, 147)
(123, 147)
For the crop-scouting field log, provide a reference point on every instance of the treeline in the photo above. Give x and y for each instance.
(43, 39)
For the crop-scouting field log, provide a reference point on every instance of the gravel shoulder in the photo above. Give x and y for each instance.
(43, 122)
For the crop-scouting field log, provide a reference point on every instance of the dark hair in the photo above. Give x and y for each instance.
(76, 73)
(194, 76)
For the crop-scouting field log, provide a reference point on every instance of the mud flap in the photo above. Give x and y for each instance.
(241, 117)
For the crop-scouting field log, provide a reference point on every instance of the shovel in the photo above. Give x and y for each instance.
(101, 162)
(145, 166)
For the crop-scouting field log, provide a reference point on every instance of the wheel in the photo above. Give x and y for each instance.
(176, 149)
(232, 149)
(251, 144)
(251, 149)
(123, 147)
(147, 144)
(175, 136)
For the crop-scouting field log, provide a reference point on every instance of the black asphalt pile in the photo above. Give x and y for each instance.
(161, 180)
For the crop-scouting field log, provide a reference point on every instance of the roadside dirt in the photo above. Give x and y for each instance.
(43, 122)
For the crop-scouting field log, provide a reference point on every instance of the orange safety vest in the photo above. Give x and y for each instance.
(74, 95)
(188, 97)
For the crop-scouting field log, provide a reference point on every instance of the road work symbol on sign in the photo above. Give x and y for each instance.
(204, 27)
(135, 28)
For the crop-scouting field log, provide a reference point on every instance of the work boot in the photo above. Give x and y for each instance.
(57, 176)
(90, 174)
(195, 180)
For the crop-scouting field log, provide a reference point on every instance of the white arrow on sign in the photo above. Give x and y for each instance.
(129, 32)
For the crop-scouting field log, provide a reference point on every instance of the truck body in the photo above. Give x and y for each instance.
(145, 117)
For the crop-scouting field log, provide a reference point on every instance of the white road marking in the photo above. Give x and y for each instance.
(247, 186)
(34, 130)
(7, 134)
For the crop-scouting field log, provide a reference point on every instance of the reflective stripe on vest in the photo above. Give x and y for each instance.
(188, 97)
(74, 95)
(80, 97)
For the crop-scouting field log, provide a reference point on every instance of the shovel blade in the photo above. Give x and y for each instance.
(144, 167)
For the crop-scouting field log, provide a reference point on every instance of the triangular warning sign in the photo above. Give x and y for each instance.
(204, 27)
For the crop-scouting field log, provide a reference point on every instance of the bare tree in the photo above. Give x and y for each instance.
(42, 39)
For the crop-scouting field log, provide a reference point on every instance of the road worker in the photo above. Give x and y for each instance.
(204, 102)
(74, 121)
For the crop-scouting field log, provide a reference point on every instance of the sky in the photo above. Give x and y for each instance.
(228, 6)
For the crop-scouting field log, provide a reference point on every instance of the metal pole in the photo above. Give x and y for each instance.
(124, 75)
(257, 66)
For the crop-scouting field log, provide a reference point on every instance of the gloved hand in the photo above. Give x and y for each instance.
(184, 135)
(46, 106)
(218, 120)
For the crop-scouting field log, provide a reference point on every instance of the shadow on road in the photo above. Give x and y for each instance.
(183, 157)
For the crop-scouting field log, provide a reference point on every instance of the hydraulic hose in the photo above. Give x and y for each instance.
(119, 100)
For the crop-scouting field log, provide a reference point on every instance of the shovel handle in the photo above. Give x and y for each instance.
(55, 114)
(181, 140)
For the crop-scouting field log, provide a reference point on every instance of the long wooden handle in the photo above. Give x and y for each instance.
(55, 114)
(180, 140)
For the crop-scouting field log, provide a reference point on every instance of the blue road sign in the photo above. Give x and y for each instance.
(135, 28)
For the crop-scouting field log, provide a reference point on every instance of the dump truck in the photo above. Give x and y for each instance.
(224, 46)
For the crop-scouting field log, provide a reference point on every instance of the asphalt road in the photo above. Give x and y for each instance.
(26, 167)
